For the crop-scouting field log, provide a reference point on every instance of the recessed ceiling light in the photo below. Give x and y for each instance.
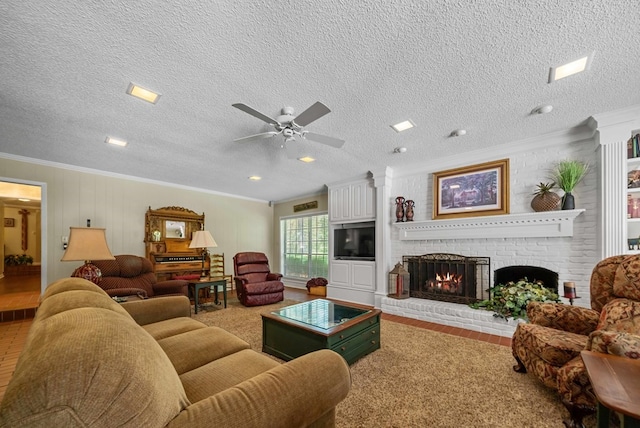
(400, 150)
(542, 109)
(24, 200)
(306, 159)
(573, 67)
(142, 93)
(115, 142)
(255, 178)
(458, 133)
(403, 126)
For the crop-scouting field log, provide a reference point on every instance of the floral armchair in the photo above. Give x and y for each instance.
(549, 344)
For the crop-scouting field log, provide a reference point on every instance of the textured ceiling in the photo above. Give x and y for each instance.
(482, 66)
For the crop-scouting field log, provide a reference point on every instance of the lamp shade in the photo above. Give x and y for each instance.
(87, 244)
(202, 239)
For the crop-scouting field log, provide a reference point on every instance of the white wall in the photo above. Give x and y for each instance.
(119, 205)
(572, 257)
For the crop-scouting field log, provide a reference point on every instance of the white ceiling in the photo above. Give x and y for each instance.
(482, 66)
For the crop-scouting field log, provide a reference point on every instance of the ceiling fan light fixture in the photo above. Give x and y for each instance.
(142, 93)
(306, 159)
(403, 126)
(570, 68)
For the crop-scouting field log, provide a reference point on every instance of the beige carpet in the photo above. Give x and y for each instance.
(421, 378)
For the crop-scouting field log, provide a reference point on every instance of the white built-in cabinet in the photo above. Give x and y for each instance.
(355, 275)
(353, 201)
(351, 280)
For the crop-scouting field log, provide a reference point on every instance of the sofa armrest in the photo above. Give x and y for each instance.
(171, 286)
(614, 342)
(121, 292)
(159, 309)
(274, 276)
(573, 319)
(294, 394)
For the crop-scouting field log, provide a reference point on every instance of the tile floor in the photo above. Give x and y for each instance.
(13, 332)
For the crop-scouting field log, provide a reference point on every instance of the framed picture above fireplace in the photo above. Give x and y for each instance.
(471, 191)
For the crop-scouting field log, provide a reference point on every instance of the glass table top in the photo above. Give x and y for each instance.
(320, 313)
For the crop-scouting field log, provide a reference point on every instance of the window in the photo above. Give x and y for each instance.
(305, 244)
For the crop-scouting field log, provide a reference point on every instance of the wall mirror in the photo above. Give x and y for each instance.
(174, 229)
(169, 229)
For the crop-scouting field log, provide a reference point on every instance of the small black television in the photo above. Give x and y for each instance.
(356, 241)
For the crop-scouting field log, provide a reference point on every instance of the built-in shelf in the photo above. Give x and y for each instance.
(524, 225)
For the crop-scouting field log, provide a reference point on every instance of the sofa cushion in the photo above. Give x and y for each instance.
(627, 279)
(555, 347)
(121, 370)
(199, 347)
(82, 294)
(163, 329)
(620, 315)
(224, 373)
(264, 287)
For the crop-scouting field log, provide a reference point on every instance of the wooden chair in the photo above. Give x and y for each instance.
(217, 270)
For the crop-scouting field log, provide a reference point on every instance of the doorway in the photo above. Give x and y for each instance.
(23, 240)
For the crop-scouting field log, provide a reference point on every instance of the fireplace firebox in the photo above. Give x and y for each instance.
(448, 277)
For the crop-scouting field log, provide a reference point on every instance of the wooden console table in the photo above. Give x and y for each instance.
(616, 383)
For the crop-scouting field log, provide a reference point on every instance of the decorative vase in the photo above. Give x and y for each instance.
(568, 203)
(545, 202)
(409, 204)
(399, 209)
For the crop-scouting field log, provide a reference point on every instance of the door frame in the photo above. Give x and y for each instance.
(43, 225)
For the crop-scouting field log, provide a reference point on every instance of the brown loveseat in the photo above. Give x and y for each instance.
(89, 361)
(549, 344)
(131, 275)
(255, 283)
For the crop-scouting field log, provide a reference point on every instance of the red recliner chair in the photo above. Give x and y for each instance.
(130, 275)
(255, 284)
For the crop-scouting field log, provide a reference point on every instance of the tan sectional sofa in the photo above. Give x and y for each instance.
(89, 361)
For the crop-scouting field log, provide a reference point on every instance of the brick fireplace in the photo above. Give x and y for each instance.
(448, 277)
(527, 239)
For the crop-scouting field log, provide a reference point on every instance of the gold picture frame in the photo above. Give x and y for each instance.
(472, 191)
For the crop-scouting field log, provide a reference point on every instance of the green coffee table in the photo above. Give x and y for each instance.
(321, 324)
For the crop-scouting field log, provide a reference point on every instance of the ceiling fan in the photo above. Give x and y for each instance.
(291, 126)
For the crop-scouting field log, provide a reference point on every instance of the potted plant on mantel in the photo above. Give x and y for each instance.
(567, 174)
(544, 199)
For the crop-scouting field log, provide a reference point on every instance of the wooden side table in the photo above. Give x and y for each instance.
(616, 382)
(215, 283)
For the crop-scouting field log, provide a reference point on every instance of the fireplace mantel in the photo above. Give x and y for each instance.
(521, 225)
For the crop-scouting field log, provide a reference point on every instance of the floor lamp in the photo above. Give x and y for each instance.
(87, 244)
(202, 239)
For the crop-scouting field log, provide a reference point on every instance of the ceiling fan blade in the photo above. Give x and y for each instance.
(256, 137)
(255, 113)
(330, 141)
(314, 112)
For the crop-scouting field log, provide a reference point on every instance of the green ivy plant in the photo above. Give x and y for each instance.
(511, 299)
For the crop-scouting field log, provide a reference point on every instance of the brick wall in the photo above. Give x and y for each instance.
(572, 257)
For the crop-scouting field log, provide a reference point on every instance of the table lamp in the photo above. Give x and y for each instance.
(87, 244)
(202, 239)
